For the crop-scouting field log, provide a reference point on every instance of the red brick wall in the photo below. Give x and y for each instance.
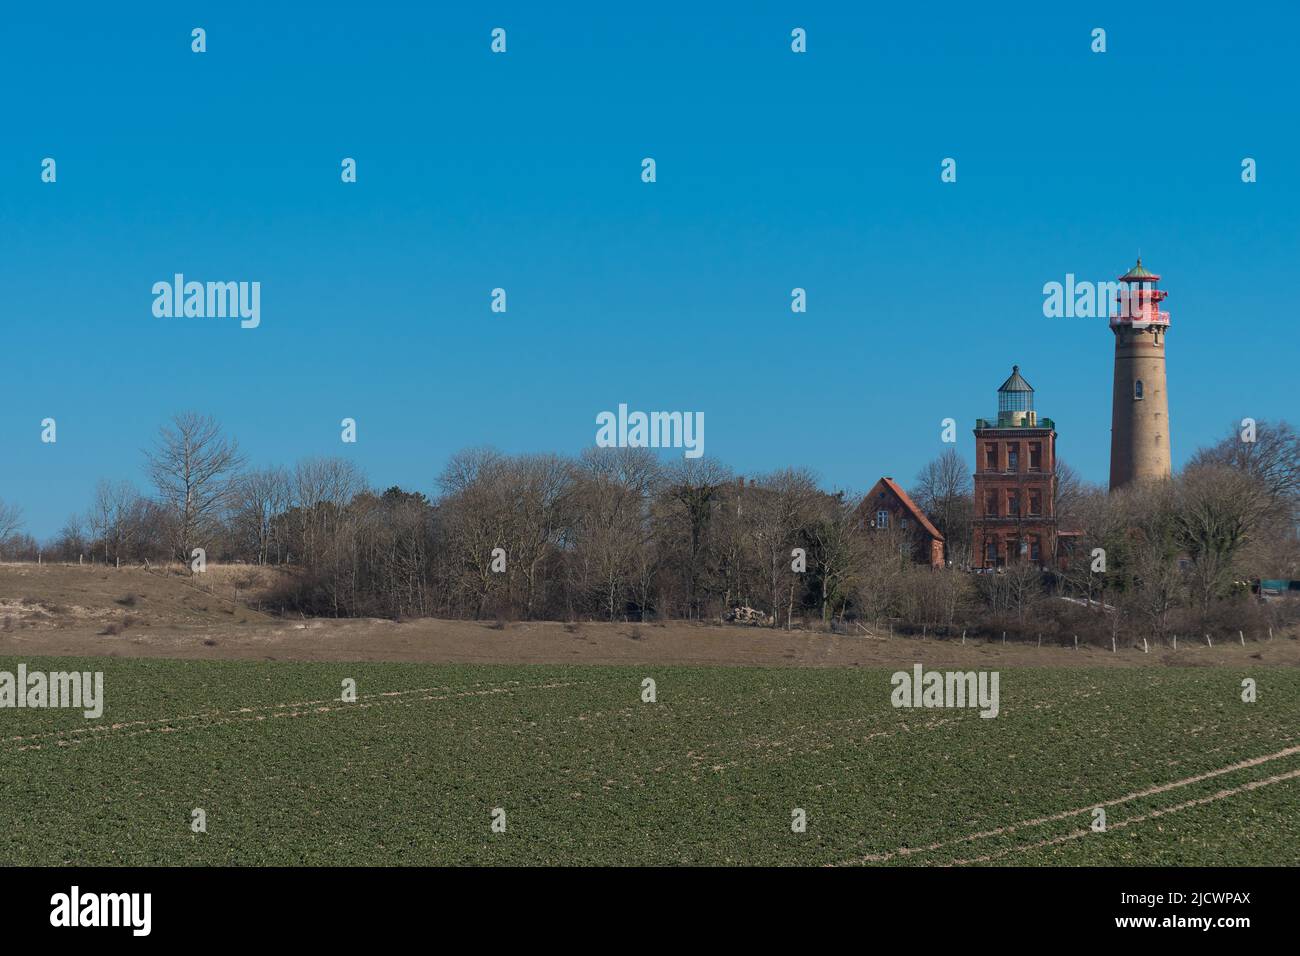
(1003, 527)
(880, 498)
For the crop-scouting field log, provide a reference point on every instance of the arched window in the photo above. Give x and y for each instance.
(1137, 389)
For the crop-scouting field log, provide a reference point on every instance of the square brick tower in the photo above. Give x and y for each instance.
(1015, 482)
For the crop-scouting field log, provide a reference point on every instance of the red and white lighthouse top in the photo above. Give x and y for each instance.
(1139, 302)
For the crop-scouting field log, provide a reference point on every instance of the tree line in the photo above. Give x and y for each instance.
(619, 534)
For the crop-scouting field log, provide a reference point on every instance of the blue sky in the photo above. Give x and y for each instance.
(522, 171)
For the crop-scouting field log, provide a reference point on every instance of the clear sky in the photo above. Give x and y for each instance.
(523, 171)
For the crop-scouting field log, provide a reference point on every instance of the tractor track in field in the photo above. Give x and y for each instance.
(1115, 801)
(1131, 821)
(74, 736)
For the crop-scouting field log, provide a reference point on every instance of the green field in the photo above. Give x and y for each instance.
(589, 774)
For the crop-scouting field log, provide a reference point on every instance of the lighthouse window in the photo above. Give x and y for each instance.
(1137, 389)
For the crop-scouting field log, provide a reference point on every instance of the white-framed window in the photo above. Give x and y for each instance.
(1137, 390)
(882, 519)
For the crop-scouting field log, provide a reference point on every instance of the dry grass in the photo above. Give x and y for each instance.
(68, 609)
(60, 596)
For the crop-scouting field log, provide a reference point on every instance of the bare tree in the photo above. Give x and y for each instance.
(324, 531)
(71, 542)
(1217, 509)
(1068, 493)
(838, 547)
(881, 570)
(1273, 457)
(477, 514)
(543, 492)
(693, 488)
(1093, 569)
(257, 498)
(1024, 587)
(782, 505)
(1156, 584)
(11, 521)
(612, 521)
(116, 517)
(192, 464)
(944, 491)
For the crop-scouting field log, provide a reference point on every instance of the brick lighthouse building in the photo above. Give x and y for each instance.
(1015, 482)
(1139, 422)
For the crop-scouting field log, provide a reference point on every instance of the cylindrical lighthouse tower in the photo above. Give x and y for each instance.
(1139, 422)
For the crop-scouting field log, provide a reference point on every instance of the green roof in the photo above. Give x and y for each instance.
(1137, 273)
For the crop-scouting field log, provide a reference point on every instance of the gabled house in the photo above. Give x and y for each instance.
(887, 505)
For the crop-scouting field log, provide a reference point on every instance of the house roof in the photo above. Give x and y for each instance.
(906, 501)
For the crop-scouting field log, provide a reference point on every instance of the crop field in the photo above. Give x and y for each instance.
(587, 772)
